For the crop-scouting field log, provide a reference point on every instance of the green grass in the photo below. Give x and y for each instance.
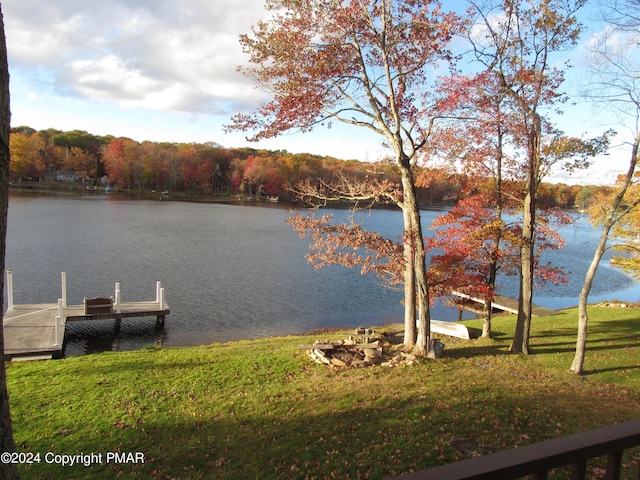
(261, 409)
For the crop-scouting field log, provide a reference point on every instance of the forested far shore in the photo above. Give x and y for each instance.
(197, 170)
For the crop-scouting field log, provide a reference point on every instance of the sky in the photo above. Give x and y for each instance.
(162, 70)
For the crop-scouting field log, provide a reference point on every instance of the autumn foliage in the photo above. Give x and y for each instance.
(350, 245)
(471, 236)
(212, 168)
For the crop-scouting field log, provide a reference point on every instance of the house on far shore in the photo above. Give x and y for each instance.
(66, 176)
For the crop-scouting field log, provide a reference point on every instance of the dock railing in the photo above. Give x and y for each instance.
(537, 460)
(37, 330)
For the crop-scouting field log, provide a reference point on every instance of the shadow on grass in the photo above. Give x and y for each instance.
(626, 326)
(120, 366)
(355, 437)
(348, 441)
(596, 371)
(602, 336)
(570, 346)
(476, 333)
(481, 349)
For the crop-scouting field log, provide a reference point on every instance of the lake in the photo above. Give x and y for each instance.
(230, 271)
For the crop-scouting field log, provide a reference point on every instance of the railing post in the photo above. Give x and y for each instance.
(116, 302)
(614, 465)
(579, 470)
(10, 288)
(59, 318)
(64, 289)
(161, 299)
(158, 288)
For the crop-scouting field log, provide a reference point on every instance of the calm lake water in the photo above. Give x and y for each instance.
(230, 272)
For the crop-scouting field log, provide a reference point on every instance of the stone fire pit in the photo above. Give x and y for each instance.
(365, 348)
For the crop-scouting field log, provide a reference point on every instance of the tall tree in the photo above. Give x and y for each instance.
(475, 243)
(120, 157)
(26, 156)
(76, 141)
(8, 471)
(615, 85)
(488, 145)
(365, 63)
(515, 40)
(81, 161)
(480, 145)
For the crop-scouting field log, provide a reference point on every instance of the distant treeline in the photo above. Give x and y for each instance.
(210, 168)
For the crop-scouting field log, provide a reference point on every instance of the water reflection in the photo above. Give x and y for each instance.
(86, 337)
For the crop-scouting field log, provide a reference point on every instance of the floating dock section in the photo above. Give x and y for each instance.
(500, 303)
(36, 331)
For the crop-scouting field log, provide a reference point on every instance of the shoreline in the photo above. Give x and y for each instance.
(67, 188)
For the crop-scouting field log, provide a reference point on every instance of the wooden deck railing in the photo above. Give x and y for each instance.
(538, 459)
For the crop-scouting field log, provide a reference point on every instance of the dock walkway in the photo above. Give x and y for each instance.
(36, 331)
(500, 302)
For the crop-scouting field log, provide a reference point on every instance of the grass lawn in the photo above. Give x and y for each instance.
(262, 409)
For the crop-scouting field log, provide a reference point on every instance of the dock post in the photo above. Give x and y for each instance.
(117, 307)
(64, 289)
(10, 289)
(117, 300)
(160, 300)
(161, 297)
(59, 320)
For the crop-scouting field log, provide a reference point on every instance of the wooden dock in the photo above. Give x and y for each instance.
(501, 303)
(36, 331)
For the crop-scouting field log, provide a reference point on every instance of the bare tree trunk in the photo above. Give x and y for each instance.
(613, 216)
(486, 324)
(409, 286)
(8, 471)
(583, 316)
(414, 232)
(520, 342)
(423, 341)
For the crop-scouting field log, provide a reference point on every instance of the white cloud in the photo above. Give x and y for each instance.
(106, 78)
(480, 34)
(152, 54)
(611, 42)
